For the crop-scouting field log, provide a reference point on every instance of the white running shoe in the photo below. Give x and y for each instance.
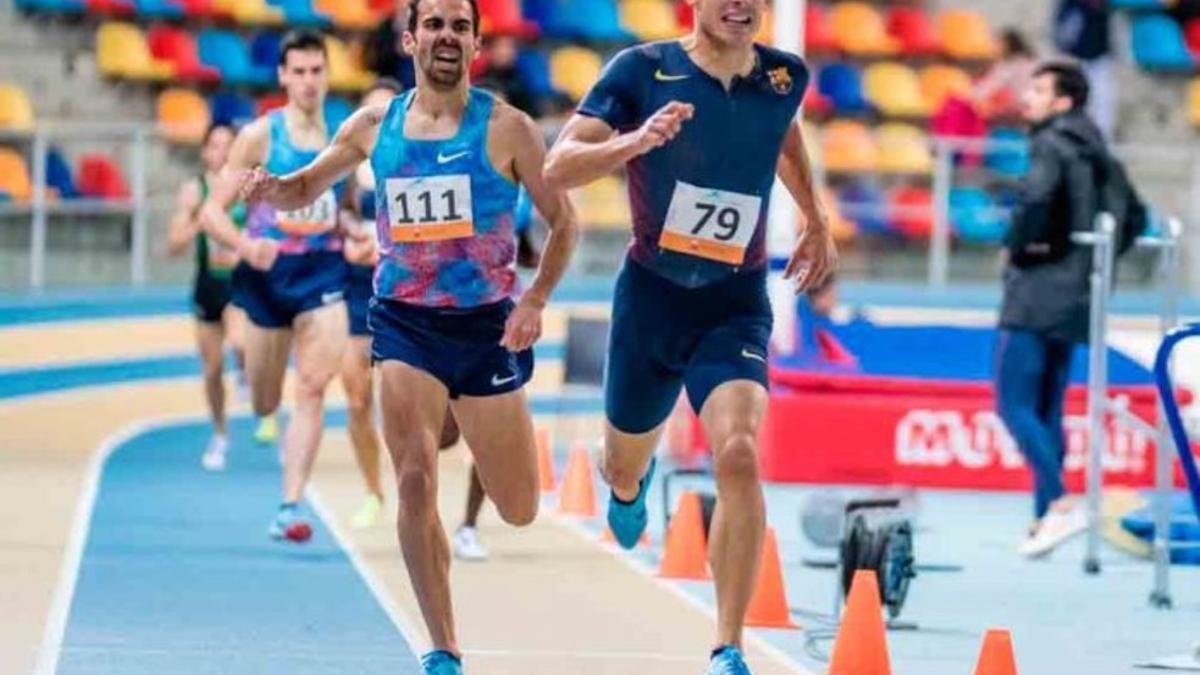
(214, 456)
(467, 546)
(1057, 527)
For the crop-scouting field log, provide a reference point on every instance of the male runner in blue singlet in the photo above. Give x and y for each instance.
(448, 160)
(703, 126)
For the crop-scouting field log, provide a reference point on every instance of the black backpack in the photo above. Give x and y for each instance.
(1119, 197)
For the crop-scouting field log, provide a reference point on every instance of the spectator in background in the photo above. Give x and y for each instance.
(383, 54)
(498, 72)
(1045, 309)
(998, 93)
(1082, 30)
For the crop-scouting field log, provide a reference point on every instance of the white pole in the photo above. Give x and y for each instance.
(783, 216)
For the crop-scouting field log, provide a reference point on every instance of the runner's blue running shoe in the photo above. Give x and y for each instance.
(627, 520)
(441, 663)
(728, 661)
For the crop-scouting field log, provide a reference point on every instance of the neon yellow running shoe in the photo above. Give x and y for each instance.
(368, 514)
(268, 431)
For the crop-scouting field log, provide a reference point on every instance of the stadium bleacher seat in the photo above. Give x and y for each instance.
(344, 73)
(1193, 102)
(1158, 44)
(225, 51)
(198, 9)
(268, 102)
(112, 8)
(503, 17)
(533, 66)
(101, 178)
(602, 204)
(966, 35)
(859, 29)
(573, 70)
(903, 148)
(178, 47)
(264, 49)
(912, 211)
(895, 90)
(818, 31)
(1009, 153)
(300, 12)
(842, 84)
(58, 175)
(577, 19)
(122, 52)
(1191, 36)
(974, 215)
(159, 9)
(913, 30)
(53, 6)
(14, 176)
(649, 20)
(183, 116)
(16, 110)
(228, 107)
(866, 204)
(349, 14)
(939, 82)
(848, 147)
(1140, 5)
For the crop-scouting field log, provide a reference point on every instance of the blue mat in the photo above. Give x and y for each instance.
(1185, 527)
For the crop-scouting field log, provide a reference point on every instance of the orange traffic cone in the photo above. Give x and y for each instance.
(686, 551)
(861, 646)
(608, 538)
(545, 460)
(578, 494)
(768, 606)
(996, 657)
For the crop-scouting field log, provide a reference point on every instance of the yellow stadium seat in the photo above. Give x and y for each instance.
(858, 28)
(345, 74)
(602, 204)
(895, 89)
(847, 147)
(940, 82)
(766, 32)
(903, 148)
(967, 35)
(251, 12)
(183, 116)
(650, 19)
(574, 70)
(14, 176)
(121, 51)
(352, 14)
(1193, 102)
(16, 112)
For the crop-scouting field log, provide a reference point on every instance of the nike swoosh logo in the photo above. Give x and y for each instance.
(446, 159)
(746, 353)
(663, 77)
(497, 382)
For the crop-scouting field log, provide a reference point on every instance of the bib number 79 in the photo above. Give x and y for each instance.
(727, 220)
(711, 224)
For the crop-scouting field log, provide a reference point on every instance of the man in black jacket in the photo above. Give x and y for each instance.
(1046, 290)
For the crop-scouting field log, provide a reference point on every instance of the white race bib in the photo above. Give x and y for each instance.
(712, 224)
(316, 218)
(429, 208)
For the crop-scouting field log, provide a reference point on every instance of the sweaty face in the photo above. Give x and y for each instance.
(444, 43)
(305, 78)
(1040, 101)
(215, 152)
(731, 22)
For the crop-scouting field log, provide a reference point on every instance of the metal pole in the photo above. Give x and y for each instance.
(939, 239)
(1160, 596)
(1101, 282)
(37, 235)
(140, 244)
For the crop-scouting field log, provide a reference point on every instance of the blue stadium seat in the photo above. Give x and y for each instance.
(57, 6)
(58, 175)
(231, 108)
(534, 68)
(226, 52)
(865, 203)
(301, 13)
(1138, 5)
(1012, 158)
(264, 49)
(842, 84)
(975, 216)
(159, 9)
(1158, 44)
(578, 19)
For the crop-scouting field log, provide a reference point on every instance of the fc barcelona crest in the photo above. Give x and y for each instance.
(781, 80)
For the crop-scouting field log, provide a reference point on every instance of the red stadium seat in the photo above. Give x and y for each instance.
(112, 7)
(1191, 34)
(179, 48)
(270, 102)
(503, 17)
(100, 178)
(914, 31)
(912, 209)
(818, 32)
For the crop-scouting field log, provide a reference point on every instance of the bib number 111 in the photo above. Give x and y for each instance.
(429, 208)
